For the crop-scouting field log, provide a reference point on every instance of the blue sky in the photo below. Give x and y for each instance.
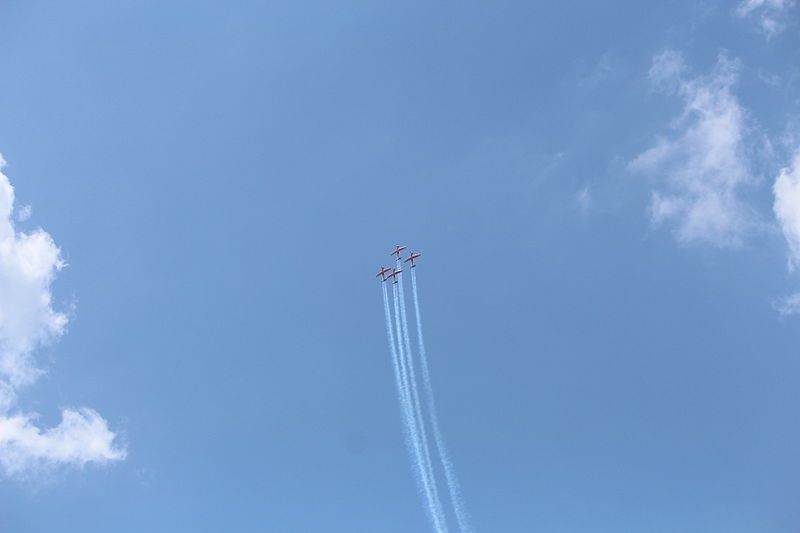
(607, 197)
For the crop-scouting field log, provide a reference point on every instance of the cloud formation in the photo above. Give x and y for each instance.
(24, 213)
(789, 305)
(81, 437)
(787, 207)
(771, 14)
(703, 166)
(28, 264)
(584, 199)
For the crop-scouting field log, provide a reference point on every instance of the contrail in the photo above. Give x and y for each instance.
(462, 517)
(398, 355)
(408, 423)
(399, 379)
(417, 404)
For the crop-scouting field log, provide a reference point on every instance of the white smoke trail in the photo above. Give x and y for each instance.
(398, 354)
(405, 408)
(415, 397)
(462, 516)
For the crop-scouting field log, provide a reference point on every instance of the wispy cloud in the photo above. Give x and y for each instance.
(787, 207)
(584, 199)
(24, 213)
(772, 15)
(28, 265)
(790, 305)
(605, 67)
(703, 166)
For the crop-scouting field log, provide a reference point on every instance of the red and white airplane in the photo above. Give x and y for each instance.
(393, 275)
(397, 250)
(411, 258)
(383, 272)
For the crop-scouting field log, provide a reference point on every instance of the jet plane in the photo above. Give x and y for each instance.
(411, 258)
(397, 250)
(394, 276)
(383, 272)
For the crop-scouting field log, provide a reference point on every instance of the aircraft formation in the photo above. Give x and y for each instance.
(387, 273)
(430, 459)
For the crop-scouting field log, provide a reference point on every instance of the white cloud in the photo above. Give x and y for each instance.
(600, 72)
(787, 207)
(704, 165)
(789, 305)
(24, 213)
(584, 199)
(81, 437)
(771, 14)
(28, 264)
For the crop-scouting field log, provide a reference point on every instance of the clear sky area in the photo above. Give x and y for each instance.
(196, 196)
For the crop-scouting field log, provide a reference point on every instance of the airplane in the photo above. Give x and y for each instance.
(397, 250)
(393, 275)
(411, 258)
(383, 272)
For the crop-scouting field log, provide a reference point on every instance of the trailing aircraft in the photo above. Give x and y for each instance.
(411, 258)
(383, 272)
(393, 275)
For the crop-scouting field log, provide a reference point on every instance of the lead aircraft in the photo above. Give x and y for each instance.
(397, 250)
